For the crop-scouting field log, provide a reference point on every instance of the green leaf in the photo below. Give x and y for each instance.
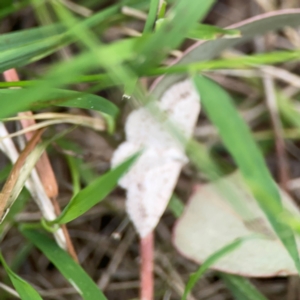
(241, 288)
(210, 261)
(176, 206)
(209, 32)
(149, 26)
(5, 4)
(58, 97)
(73, 272)
(24, 37)
(94, 192)
(244, 61)
(24, 289)
(32, 44)
(181, 18)
(238, 140)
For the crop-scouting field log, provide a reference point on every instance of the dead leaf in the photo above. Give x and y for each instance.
(17, 177)
(210, 222)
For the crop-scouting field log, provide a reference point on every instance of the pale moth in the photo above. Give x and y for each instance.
(152, 179)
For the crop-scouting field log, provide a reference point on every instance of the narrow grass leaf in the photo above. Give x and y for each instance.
(238, 140)
(246, 61)
(210, 261)
(24, 289)
(181, 18)
(73, 272)
(149, 26)
(205, 51)
(25, 37)
(241, 288)
(209, 32)
(59, 97)
(94, 192)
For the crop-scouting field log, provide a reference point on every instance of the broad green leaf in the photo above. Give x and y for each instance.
(209, 32)
(24, 289)
(205, 51)
(94, 192)
(210, 261)
(73, 272)
(241, 288)
(238, 140)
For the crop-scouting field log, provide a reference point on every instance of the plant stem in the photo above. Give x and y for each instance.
(146, 250)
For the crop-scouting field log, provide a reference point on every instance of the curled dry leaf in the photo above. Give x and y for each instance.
(34, 186)
(17, 177)
(150, 182)
(209, 223)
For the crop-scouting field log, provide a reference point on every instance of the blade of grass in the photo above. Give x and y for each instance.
(244, 288)
(211, 260)
(149, 26)
(24, 289)
(205, 51)
(94, 192)
(230, 63)
(209, 32)
(73, 272)
(58, 97)
(181, 18)
(241, 288)
(238, 140)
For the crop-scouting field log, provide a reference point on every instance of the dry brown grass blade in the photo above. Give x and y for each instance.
(5, 196)
(44, 168)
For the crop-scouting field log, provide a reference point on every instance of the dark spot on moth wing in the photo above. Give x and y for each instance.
(140, 187)
(258, 225)
(142, 211)
(185, 95)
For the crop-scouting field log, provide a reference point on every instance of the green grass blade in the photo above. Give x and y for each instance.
(238, 140)
(57, 97)
(209, 32)
(149, 26)
(210, 261)
(241, 288)
(205, 51)
(182, 17)
(94, 192)
(73, 272)
(24, 289)
(25, 37)
(245, 61)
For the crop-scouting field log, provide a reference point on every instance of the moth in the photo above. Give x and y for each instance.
(151, 181)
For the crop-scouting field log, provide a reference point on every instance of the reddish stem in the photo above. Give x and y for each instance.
(147, 257)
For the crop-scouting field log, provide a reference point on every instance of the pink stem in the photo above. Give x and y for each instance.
(146, 250)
